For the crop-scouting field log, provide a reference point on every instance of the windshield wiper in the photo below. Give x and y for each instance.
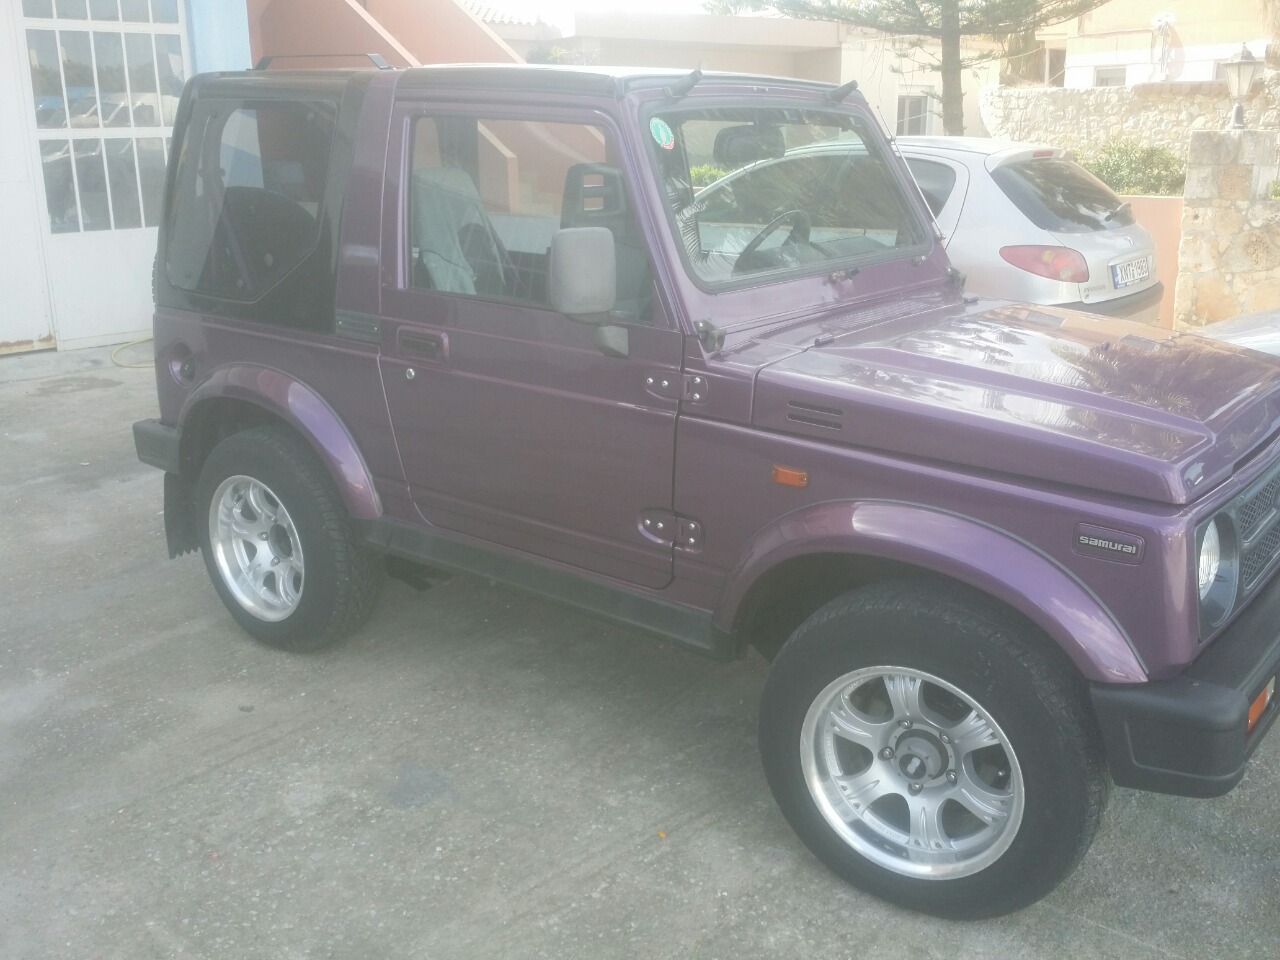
(1123, 208)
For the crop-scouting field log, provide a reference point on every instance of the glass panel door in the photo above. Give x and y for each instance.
(105, 79)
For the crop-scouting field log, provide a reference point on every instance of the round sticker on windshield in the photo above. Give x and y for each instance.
(662, 134)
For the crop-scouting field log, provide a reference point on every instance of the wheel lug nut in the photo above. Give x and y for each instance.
(904, 724)
(886, 753)
(914, 788)
(951, 776)
(945, 738)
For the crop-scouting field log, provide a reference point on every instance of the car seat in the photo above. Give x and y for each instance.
(457, 246)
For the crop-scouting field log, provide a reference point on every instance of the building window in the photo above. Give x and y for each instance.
(1056, 67)
(1109, 76)
(106, 76)
(913, 114)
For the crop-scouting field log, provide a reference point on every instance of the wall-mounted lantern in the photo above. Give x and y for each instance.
(1241, 73)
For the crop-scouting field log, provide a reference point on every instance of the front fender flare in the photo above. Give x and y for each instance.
(302, 408)
(961, 548)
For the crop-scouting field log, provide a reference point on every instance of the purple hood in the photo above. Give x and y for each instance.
(1033, 391)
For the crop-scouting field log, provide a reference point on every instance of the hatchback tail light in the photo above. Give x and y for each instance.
(1056, 263)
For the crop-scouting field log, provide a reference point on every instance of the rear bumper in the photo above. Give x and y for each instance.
(1189, 735)
(1143, 306)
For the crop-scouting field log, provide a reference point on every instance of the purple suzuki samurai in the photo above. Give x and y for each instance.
(631, 341)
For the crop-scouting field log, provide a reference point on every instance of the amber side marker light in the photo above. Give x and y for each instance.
(1259, 705)
(790, 476)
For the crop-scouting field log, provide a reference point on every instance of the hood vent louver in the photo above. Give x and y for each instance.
(814, 415)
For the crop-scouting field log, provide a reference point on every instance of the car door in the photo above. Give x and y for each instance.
(513, 424)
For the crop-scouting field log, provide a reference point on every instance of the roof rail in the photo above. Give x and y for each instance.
(375, 58)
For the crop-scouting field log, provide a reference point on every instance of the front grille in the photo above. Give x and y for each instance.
(1258, 527)
(1257, 507)
(1257, 558)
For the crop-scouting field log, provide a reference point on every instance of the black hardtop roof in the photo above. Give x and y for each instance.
(259, 83)
(612, 82)
(597, 81)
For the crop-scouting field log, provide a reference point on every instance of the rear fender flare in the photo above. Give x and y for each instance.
(293, 402)
(960, 548)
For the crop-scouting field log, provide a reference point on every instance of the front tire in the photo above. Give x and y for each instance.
(278, 544)
(931, 751)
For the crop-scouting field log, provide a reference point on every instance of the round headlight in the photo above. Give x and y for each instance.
(1210, 559)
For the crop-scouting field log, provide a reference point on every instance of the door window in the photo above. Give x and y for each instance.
(486, 195)
(106, 76)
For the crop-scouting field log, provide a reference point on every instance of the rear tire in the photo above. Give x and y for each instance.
(278, 544)
(931, 751)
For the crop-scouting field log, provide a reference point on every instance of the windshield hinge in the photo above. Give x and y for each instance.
(685, 387)
(695, 388)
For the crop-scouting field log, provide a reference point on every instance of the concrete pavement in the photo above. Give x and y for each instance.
(477, 774)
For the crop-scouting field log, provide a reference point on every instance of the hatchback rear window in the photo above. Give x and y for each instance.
(1061, 196)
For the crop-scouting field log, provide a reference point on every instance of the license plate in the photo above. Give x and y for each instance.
(1130, 272)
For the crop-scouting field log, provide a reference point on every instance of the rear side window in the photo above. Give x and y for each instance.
(250, 185)
(1062, 196)
(936, 181)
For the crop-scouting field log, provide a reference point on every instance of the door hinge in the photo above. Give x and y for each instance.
(663, 526)
(685, 387)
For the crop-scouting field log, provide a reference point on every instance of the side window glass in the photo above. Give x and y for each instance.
(251, 179)
(487, 195)
(936, 181)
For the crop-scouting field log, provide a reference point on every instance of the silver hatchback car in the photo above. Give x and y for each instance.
(1025, 222)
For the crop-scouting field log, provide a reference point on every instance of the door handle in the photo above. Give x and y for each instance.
(424, 346)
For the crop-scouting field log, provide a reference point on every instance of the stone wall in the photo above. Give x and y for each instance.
(1229, 255)
(1157, 114)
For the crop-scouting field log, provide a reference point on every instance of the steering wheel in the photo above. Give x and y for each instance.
(800, 224)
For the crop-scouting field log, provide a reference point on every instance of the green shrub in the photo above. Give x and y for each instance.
(703, 174)
(1129, 167)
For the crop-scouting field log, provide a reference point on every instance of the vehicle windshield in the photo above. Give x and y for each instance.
(755, 190)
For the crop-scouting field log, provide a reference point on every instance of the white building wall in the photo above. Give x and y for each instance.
(24, 296)
(1145, 64)
(73, 283)
(887, 68)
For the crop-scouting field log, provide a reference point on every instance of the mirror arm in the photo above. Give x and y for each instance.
(613, 341)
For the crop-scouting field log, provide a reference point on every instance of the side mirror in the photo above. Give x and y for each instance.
(582, 277)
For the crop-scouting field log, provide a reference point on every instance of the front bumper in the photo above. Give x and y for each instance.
(158, 444)
(1189, 735)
